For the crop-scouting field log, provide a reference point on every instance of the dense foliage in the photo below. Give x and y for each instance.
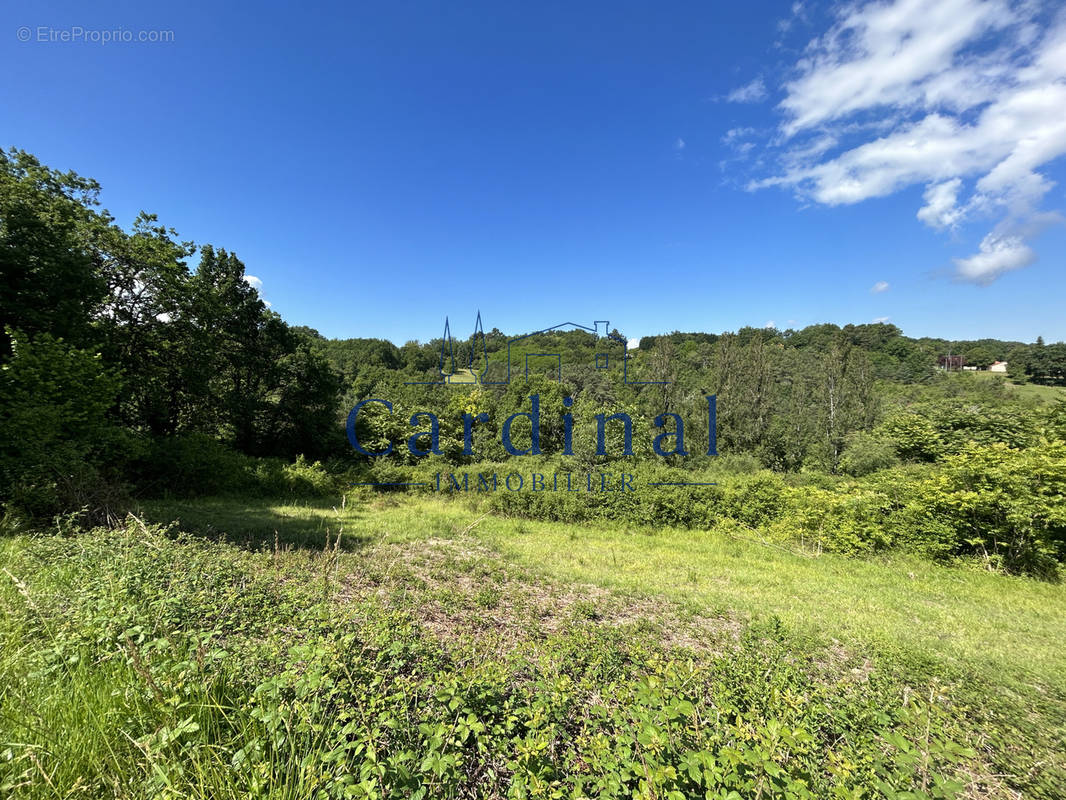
(112, 345)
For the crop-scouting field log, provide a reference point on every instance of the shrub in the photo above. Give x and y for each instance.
(1055, 422)
(1006, 506)
(849, 521)
(913, 436)
(866, 453)
(58, 445)
(274, 477)
(755, 501)
(195, 464)
(192, 464)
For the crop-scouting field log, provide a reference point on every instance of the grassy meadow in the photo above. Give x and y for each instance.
(405, 646)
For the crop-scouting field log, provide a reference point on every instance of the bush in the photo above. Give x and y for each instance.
(754, 501)
(849, 521)
(192, 464)
(913, 436)
(195, 464)
(274, 477)
(1055, 422)
(1006, 506)
(866, 453)
(58, 447)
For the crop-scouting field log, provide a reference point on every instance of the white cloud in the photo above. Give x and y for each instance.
(941, 209)
(679, 144)
(734, 138)
(996, 255)
(770, 324)
(885, 54)
(633, 344)
(965, 97)
(880, 286)
(748, 93)
(877, 320)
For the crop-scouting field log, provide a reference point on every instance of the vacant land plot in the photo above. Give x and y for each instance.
(412, 647)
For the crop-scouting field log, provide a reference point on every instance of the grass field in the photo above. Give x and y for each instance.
(1029, 391)
(1013, 628)
(894, 677)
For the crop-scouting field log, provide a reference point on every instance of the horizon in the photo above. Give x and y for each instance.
(633, 342)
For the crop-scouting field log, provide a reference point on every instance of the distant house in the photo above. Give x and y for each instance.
(951, 362)
(998, 366)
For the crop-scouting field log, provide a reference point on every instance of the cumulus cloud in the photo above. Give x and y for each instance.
(877, 320)
(997, 254)
(770, 324)
(748, 93)
(880, 286)
(963, 97)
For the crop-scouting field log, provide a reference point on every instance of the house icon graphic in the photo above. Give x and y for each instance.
(518, 362)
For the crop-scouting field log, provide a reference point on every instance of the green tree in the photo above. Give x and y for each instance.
(845, 397)
(51, 280)
(980, 357)
(56, 437)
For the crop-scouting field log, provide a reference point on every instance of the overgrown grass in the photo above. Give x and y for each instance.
(437, 652)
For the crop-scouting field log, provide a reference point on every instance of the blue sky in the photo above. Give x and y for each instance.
(664, 166)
